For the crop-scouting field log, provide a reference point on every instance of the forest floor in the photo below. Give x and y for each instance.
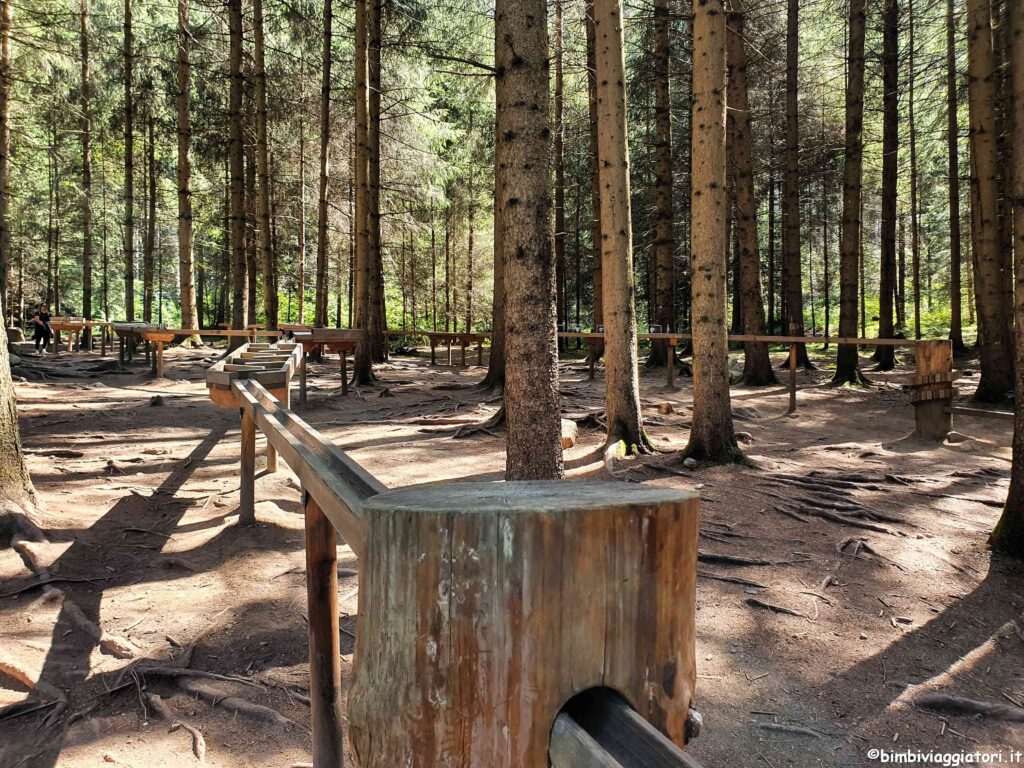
(138, 484)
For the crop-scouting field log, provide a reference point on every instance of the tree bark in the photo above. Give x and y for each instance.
(363, 287)
(595, 185)
(495, 378)
(1008, 536)
(757, 366)
(186, 267)
(559, 156)
(266, 248)
(129, 169)
(792, 271)
(149, 245)
(86, 123)
(956, 334)
(320, 291)
(622, 387)
(890, 159)
(6, 23)
(376, 323)
(664, 238)
(532, 408)
(994, 327)
(239, 293)
(711, 435)
(847, 359)
(915, 221)
(15, 483)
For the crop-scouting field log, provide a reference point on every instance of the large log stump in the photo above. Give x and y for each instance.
(932, 390)
(485, 607)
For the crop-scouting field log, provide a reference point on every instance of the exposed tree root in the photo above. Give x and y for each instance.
(961, 707)
(165, 712)
(240, 706)
(112, 644)
(730, 579)
(755, 603)
(495, 422)
(721, 559)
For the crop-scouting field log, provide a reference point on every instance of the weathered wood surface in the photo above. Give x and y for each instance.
(932, 390)
(484, 607)
(324, 642)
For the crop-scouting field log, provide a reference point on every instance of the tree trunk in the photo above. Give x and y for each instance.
(757, 366)
(239, 294)
(711, 436)
(664, 239)
(956, 334)
(376, 323)
(363, 288)
(262, 169)
(533, 449)
(6, 22)
(622, 387)
(890, 160)
(320, 291)
(15, 483)
(300, 278)
(86, 122)
(186, 268)
(847, 359)
(595, 185)
(792, 272)
(250, 206)
(149, 245)
(1008, 536)
(994, 327)
(915, 223)
(129, 169)
(559, 155)
(771, 253)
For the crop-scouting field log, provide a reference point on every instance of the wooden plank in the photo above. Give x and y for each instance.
(339, 484)
(983, 413)
(247, 479)
(573, 747)
(324, 641)
(622, 733)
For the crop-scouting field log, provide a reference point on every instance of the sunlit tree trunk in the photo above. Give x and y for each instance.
(847, 360)
(792, 272)
(890, 159)
(915, 221)
(533, 447)
(664, 239)
(595, 186)
(994, 326)
(956, 333)
(757, 366)
(622, 388)
(376, 322)
(361, 174)
(321, 288)
(186, 268)
(149, 243)
(86, 123)
(1008, 536)
(711, 435)
(559, 157)
(15, 484)
(239, 293)
(129, 167)
(266, 248)
(6, 22)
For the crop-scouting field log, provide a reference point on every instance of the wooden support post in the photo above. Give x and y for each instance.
(158, 359)
(480, 352)
(670, 363)
(302, 378)
(505, 600)
(592, 345)
(103, 341)
(247, 480)
(148, 351)
(344, 372)
(283, 396)
(324, 641)
(932, 390)
(121, 349)
(792, 379)
(433, 351)
(449, 351)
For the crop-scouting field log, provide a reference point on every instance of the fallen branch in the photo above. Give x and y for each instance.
(959, 706)
(754, 602)
(730, 579)
(234, 704)
(164, 711)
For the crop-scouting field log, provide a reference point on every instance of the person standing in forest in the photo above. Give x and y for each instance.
(43, 331)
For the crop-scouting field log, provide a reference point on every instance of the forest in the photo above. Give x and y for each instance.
(453, 315)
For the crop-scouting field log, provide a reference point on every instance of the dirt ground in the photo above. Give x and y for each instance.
(138, 481)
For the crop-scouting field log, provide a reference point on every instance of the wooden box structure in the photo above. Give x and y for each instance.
(485, 607)
(344, 341)
(272, 365)
(932, 390)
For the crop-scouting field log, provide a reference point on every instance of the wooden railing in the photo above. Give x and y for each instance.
(599, 728)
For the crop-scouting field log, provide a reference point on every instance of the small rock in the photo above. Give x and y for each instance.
(15, 360)
(685, 369)
(863, 635)
(665, 409)
(109, 757)
(157, 400)
(570, 433)
(15, 335)
(745, 412)
(689, 463)
(745, 437)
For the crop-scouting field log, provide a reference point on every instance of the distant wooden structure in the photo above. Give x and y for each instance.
(499, 623)
(344, 341)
